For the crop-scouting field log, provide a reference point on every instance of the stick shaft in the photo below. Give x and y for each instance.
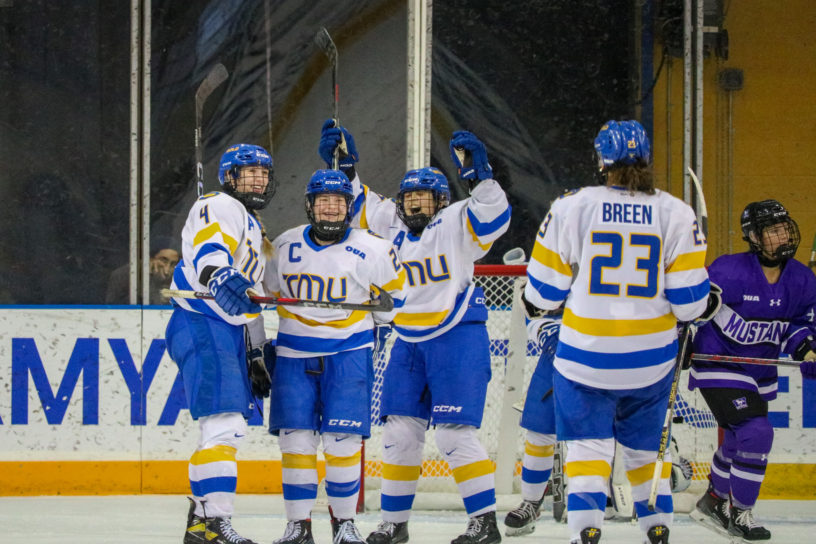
(685, 338)
(214, 78)
(732, 359)
(385, 304)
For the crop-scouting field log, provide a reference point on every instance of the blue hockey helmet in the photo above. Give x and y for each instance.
(239, 156)
(622, 143)
(758, 216)
(325, 182)
(422, 179)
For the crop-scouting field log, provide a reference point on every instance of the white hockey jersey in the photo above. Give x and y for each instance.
(629, 266)
(439, 265)
(219, 232)
(340, 272)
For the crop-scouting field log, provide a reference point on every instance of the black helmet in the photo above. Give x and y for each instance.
(756, 217)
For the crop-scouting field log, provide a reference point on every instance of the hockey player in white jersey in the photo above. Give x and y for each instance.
(322, 379)
(627, 261)
(440, 363)
(224, 250)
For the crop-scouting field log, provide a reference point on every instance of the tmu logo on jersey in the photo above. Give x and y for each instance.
(318, 288)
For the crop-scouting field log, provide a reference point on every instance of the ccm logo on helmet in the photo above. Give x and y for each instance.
(345, 423)
(445, 408)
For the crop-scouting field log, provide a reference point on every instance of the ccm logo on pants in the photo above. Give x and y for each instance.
(446, 408)
(345, 423)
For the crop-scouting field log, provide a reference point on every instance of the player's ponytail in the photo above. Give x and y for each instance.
(268, 248)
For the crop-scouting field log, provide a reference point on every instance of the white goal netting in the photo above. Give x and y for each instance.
(513, 360)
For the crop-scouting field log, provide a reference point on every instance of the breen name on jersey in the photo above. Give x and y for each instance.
(626, 213)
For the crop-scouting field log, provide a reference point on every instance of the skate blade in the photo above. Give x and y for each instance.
(706, 522)
(519, 531)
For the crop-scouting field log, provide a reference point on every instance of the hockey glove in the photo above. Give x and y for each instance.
(713, 306)
(330, 138)
(257, 366)
(806, 352)
(229, 288)
(469, 156)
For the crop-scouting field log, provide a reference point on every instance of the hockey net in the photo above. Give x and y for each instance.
(513, 360)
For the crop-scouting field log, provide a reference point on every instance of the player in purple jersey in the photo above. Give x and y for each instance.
(768, 307)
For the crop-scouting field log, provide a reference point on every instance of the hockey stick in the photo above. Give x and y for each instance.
(558, 494)
(701, 200)
(685, 338)
(812, 262)
(324, 42)
(216, 77)
(743, 360)
(384, 304)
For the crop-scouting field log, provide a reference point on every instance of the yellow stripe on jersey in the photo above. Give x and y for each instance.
(618, 327)
(402, 473)
(588, 468)
(208, 232)
(337, 461)
(551, 259)
(420, 319)
(213, 455)
(297, 460)
(688, 261)
(355, 317)
(643, 474)
(473, 470)
(539, 451)
(485, 247)
(396, 284)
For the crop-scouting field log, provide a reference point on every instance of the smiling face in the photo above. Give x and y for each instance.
(252, 179)
(330, 207)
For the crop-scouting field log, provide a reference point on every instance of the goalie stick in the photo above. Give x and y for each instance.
(216, 77)
(326, 44)
(743, 360)
(384, 304)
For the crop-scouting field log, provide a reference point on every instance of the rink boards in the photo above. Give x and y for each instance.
(90, 403)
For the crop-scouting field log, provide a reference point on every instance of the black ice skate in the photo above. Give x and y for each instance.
(745, 526)
(480, 530)
(590, 535)
(659, 534)
(347, 532)
(522, 520)
(712, 512)
(297, 532)
(389, 533)
(196, 527)
(220, 531)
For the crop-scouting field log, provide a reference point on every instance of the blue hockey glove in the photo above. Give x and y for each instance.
(258, 369)
(470, 156)
(332, 137)
(229, 288)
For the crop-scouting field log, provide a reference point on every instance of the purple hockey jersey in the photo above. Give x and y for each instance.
(757, 319)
